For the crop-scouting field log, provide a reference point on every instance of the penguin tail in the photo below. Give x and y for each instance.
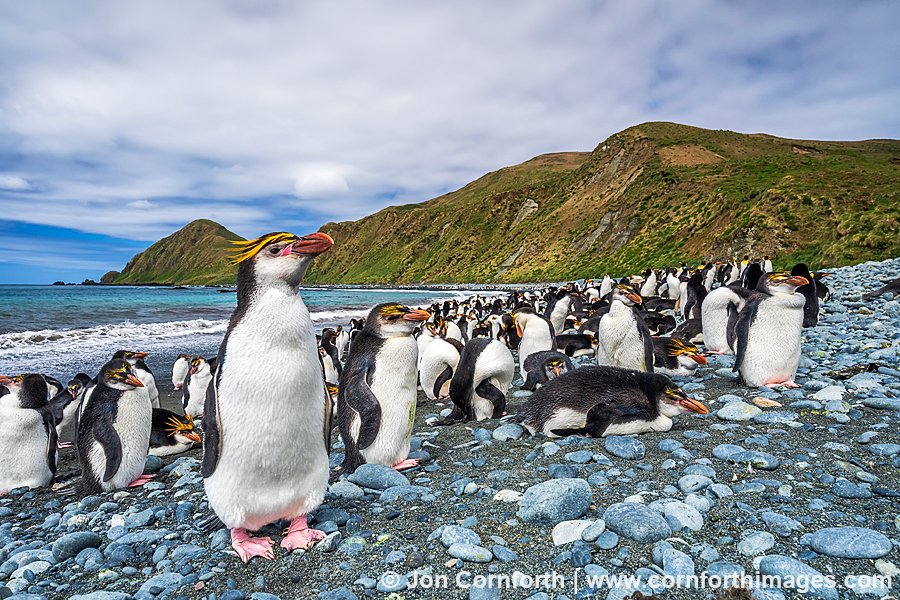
(336, 474)
(210, 523)
(516, 418)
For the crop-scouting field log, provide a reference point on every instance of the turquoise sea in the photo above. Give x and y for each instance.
(61, 330)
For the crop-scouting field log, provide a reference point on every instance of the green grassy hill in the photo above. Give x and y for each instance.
(652, 195)
(197, 254)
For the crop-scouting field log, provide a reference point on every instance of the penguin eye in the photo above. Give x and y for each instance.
(273, 250)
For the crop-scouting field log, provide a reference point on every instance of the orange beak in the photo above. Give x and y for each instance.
(796, 280)
(634, 297)
(417, 315)
(192, 435)
(312, 244)
(693, 406)
(4, 380)
(140, 355)
(134, 381)
(698, 358)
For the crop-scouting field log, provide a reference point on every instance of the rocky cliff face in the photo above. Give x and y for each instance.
(197, 254)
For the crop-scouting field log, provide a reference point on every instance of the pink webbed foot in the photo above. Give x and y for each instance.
(247, 547)
(60, 445)
(140, 480)
(299, 535)
(177, 387)
(406, 464)
(789, 384)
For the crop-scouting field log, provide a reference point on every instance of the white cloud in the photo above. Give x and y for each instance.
(143, 204)
(11, 182)
(321, 179)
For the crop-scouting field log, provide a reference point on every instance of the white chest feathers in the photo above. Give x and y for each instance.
(23, 448)
(394, 385)
(620, 343)
(773, 344)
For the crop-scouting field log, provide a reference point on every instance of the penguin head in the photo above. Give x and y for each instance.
(196, 364)
(133, 358)
(30, 389)
(75, 388)
(673, 402)
(625, 295)
(554, 367)
(118, 375)
(677, 347)
(332, 389)
(278, 256)
(780, 283)
(394, 320)
(182, 429)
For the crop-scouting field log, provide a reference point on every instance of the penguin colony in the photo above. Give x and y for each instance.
(266, 440)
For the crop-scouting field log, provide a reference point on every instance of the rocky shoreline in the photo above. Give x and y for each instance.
(809, 489)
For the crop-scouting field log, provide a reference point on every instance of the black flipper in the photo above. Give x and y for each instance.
(106, 435)
(212, 428)
(445, 375)
(488, 390)
(358, 396)
(648, 343)
(531, 382)
(47, 413)
(742, 332)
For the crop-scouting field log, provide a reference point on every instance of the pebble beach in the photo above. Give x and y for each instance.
(773, 486)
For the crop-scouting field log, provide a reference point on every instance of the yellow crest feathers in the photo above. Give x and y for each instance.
(249, 248)
(175, 425)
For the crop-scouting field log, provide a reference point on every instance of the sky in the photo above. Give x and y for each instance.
(120, 122)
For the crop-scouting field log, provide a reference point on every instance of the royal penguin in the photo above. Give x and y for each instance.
(720, 305)
(689, 331)
(437, 366)
(808, 291)
(429, 332)
(541, 367)
(171, 433)
(65, 405)
(54, 386)
(767, 265)
(692, 297)
(267, 420)
(328, 367)
(751, 276)
(623, 338)
(768, 331)
(142, 372)
(577, 344)
(27, 433)
(377, 395)
(648, 287)
(536, 334)
(180, 370)
(480, 382)
(193, 396)
(343, 338)
(327, 343)
(676, 358)
(558, 307)
(112, 436)
(600, 401)
(606, 285)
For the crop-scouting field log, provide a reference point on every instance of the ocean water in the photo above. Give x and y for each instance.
(63, 330)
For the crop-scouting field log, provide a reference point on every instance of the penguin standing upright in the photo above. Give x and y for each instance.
(180, 370)
(65, 405)
(536, 334)
(768, 331)
(267, 416)
(437, 366)
(27, 433)
(602, 401)
(377, 393)
(557, 309)
(113, 431)
(171, 433)
(693, 296)
(327, 343)
(343, 338)
(623, 338)
(718, 306)
(142, 372)
(809, 293)
(648, 288)
(481, 380)
(193, 398)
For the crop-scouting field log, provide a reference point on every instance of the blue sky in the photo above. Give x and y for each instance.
(122, 122)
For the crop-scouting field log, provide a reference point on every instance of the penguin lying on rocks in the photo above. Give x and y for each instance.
(600, 401)
(171, 434)
(541, 367)
(676, 358)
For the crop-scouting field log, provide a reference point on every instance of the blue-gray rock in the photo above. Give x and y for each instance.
(698, 469)
(140, 519)
(884, 449)
(392, 582)
(607, 540)
(550, 502)
(470, 553)
(71, 544)
(584, 456)
(152, 464)
(346, 489)
(503, 554)
(780, 524)
(784, 567)
(377, 477)
(510, 431)
(693, 483)
(725, 570)
(624, 447)
(233, 595)
(882, 403)
(263, 596)
(850, 542)
(343, 593)
(724, 451)
(562, 471)
(679, 565)
(392, 494)
(737, 411)
(756, 543)
(843, 488)
(669, 445)
(593, 531)
(637, 522)
(453, 534)
(102, 595)
(188, 551)
(760, 460)
(161, 581)
(330, 542)
(775, 417)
